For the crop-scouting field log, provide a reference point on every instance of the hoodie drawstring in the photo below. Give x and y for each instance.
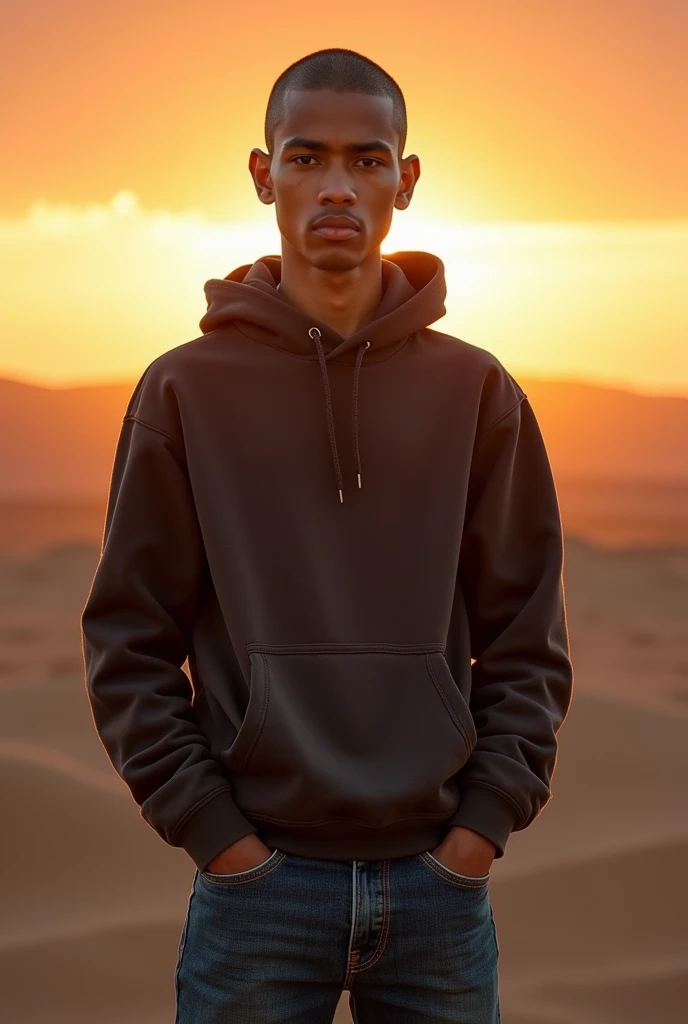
(314, 333)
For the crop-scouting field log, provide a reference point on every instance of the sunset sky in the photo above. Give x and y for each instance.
(554, 158)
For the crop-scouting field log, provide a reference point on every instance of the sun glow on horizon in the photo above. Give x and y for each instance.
(96, 291)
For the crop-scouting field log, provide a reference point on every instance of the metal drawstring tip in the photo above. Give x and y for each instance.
(359, 480)
(341, 496)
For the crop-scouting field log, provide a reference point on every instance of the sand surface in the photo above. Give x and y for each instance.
(590, 901)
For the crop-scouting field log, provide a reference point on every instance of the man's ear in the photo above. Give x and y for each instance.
(259, 168)
(409, 176)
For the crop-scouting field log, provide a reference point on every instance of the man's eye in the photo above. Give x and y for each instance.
(309, 156)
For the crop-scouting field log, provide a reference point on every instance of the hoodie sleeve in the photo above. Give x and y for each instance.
(135, 637)
(510, 578)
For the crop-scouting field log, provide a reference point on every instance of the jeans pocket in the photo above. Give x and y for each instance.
(265, 867)
(468, 881)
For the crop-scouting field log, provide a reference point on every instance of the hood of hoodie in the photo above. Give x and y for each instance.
(413, 293)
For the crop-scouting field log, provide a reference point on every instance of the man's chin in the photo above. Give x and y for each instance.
(332, 258)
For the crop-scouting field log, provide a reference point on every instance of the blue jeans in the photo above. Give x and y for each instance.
(411, 941)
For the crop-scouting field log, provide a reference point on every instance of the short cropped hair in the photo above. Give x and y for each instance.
(340, 70)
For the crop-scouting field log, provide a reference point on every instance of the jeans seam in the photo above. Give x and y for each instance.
(182, 947)
(384, 930)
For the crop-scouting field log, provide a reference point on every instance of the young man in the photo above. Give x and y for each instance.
(349, 524)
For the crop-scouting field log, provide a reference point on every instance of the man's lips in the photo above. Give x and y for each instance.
(336, 227)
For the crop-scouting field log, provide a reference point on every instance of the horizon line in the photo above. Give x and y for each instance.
(576, 380)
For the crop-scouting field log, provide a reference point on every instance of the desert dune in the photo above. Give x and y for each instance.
(589, 902)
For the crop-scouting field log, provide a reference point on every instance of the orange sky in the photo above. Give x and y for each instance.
(131, 124)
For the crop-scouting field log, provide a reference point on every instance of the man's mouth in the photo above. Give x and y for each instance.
(328, 232)
(338, 228)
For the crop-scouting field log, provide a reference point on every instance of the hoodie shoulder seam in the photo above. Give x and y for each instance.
(151, 426)
(499, 419)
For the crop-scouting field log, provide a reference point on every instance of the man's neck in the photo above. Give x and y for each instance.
(344, 300)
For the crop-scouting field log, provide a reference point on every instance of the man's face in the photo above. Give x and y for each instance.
(322, 176)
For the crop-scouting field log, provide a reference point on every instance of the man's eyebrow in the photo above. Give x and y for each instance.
(374, 145)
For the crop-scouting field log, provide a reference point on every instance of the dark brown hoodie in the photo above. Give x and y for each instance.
(357, 543)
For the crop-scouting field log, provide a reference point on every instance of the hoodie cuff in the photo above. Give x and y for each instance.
(484, 811)
(214, 827)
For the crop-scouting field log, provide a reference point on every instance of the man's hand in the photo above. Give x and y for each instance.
(247, 852)
(466, 852)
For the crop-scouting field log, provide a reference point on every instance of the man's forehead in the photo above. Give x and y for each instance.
(325, 114)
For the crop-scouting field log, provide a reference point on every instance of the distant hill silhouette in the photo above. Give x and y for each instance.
(59, 442)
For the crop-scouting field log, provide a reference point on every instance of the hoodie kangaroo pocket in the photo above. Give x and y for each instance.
(369, 733)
